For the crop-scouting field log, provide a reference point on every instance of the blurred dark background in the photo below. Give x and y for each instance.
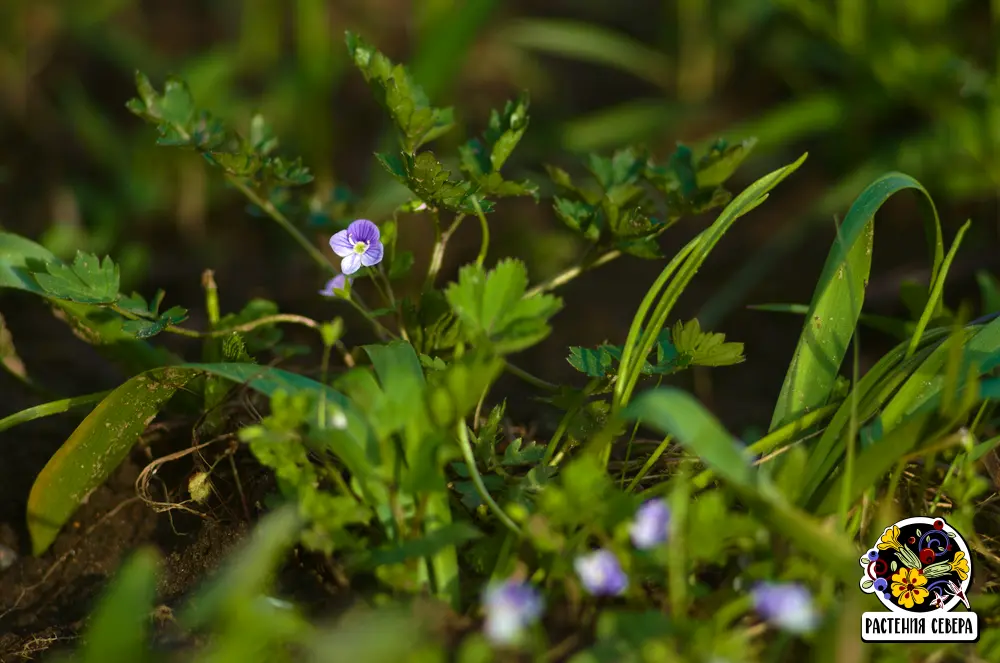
(863, 86)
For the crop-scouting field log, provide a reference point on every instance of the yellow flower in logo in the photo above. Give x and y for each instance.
(889, 539)
(960, 565)
(908, 587)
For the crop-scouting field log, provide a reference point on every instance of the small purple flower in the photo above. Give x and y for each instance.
(359, 246)
(600, 573)
(786, 605)
(651, 525)
(510, 607)
(338, 282)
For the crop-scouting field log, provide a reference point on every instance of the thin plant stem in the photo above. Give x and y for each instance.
(440, 244)
(47, 409)
(650, 462)
(568, 275)
(477, 479)
(275, 214)
(529, 378)
(484, 245)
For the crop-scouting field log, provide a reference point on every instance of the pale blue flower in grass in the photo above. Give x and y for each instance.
(600, 573)
(359, 246)
(511, 607)
(787, 606)
(651, 525)
(338, 282)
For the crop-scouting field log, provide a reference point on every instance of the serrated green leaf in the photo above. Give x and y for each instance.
(143, 329)
(418, 122)
(579, 216)
(492, 306)
(593, 362)
(427, 178)
(89, 280)
(482, 160)
(517, 453)
(721, 161)
(644, 247)
(705, 348)
(235, 350)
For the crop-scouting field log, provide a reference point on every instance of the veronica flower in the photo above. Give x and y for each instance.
(651, 525)
(359, 246)
(600, 573)
(787, 606)
(338, 282)
(510, 607)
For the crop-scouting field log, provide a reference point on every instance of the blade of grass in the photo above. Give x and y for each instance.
(838, 298)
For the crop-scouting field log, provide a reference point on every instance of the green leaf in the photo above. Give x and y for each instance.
(705, 348)
(578, 216)
(721, 161)
(149, 328)
(88, 281)
(418, 122)
(424, 175)
(482, 160)
(837, 300)
(492, 306)
(989, 292)
(454, 392)
(518, 454)
(593, 362)
(19, 257)
(119, 627)
(107, 434)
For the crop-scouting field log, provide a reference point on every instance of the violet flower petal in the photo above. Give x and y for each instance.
(651, 526)
(600, 573)
(373, 254)
(787, 606)
(510, 608)
(341, 243)
(351, 263)
(363, 230)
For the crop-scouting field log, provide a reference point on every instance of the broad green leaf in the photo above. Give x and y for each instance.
(674, 412)
(427, 178)
(20, 257)
(89, 280)
(838, 298)
(402, 382)
(104, 438)
(454, 392)
(119, 627)
(492, 306)
(418, 122)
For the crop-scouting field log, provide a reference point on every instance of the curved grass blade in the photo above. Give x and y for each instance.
(637, 347)
(49, 409)
(674, 412)
(591, 43)
(838, 298)
(934, 301)
(104, 438)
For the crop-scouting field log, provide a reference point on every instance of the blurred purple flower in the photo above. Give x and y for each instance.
(787, 606)
(600, 573)
(651, 525)
(510, 607)
(338, 282)
(359, 246)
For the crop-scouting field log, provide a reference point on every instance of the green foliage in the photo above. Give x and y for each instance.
(88, 281)
(492, 307)
(676, 349)
(424, 175)
(482, 160)
(417, 121)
